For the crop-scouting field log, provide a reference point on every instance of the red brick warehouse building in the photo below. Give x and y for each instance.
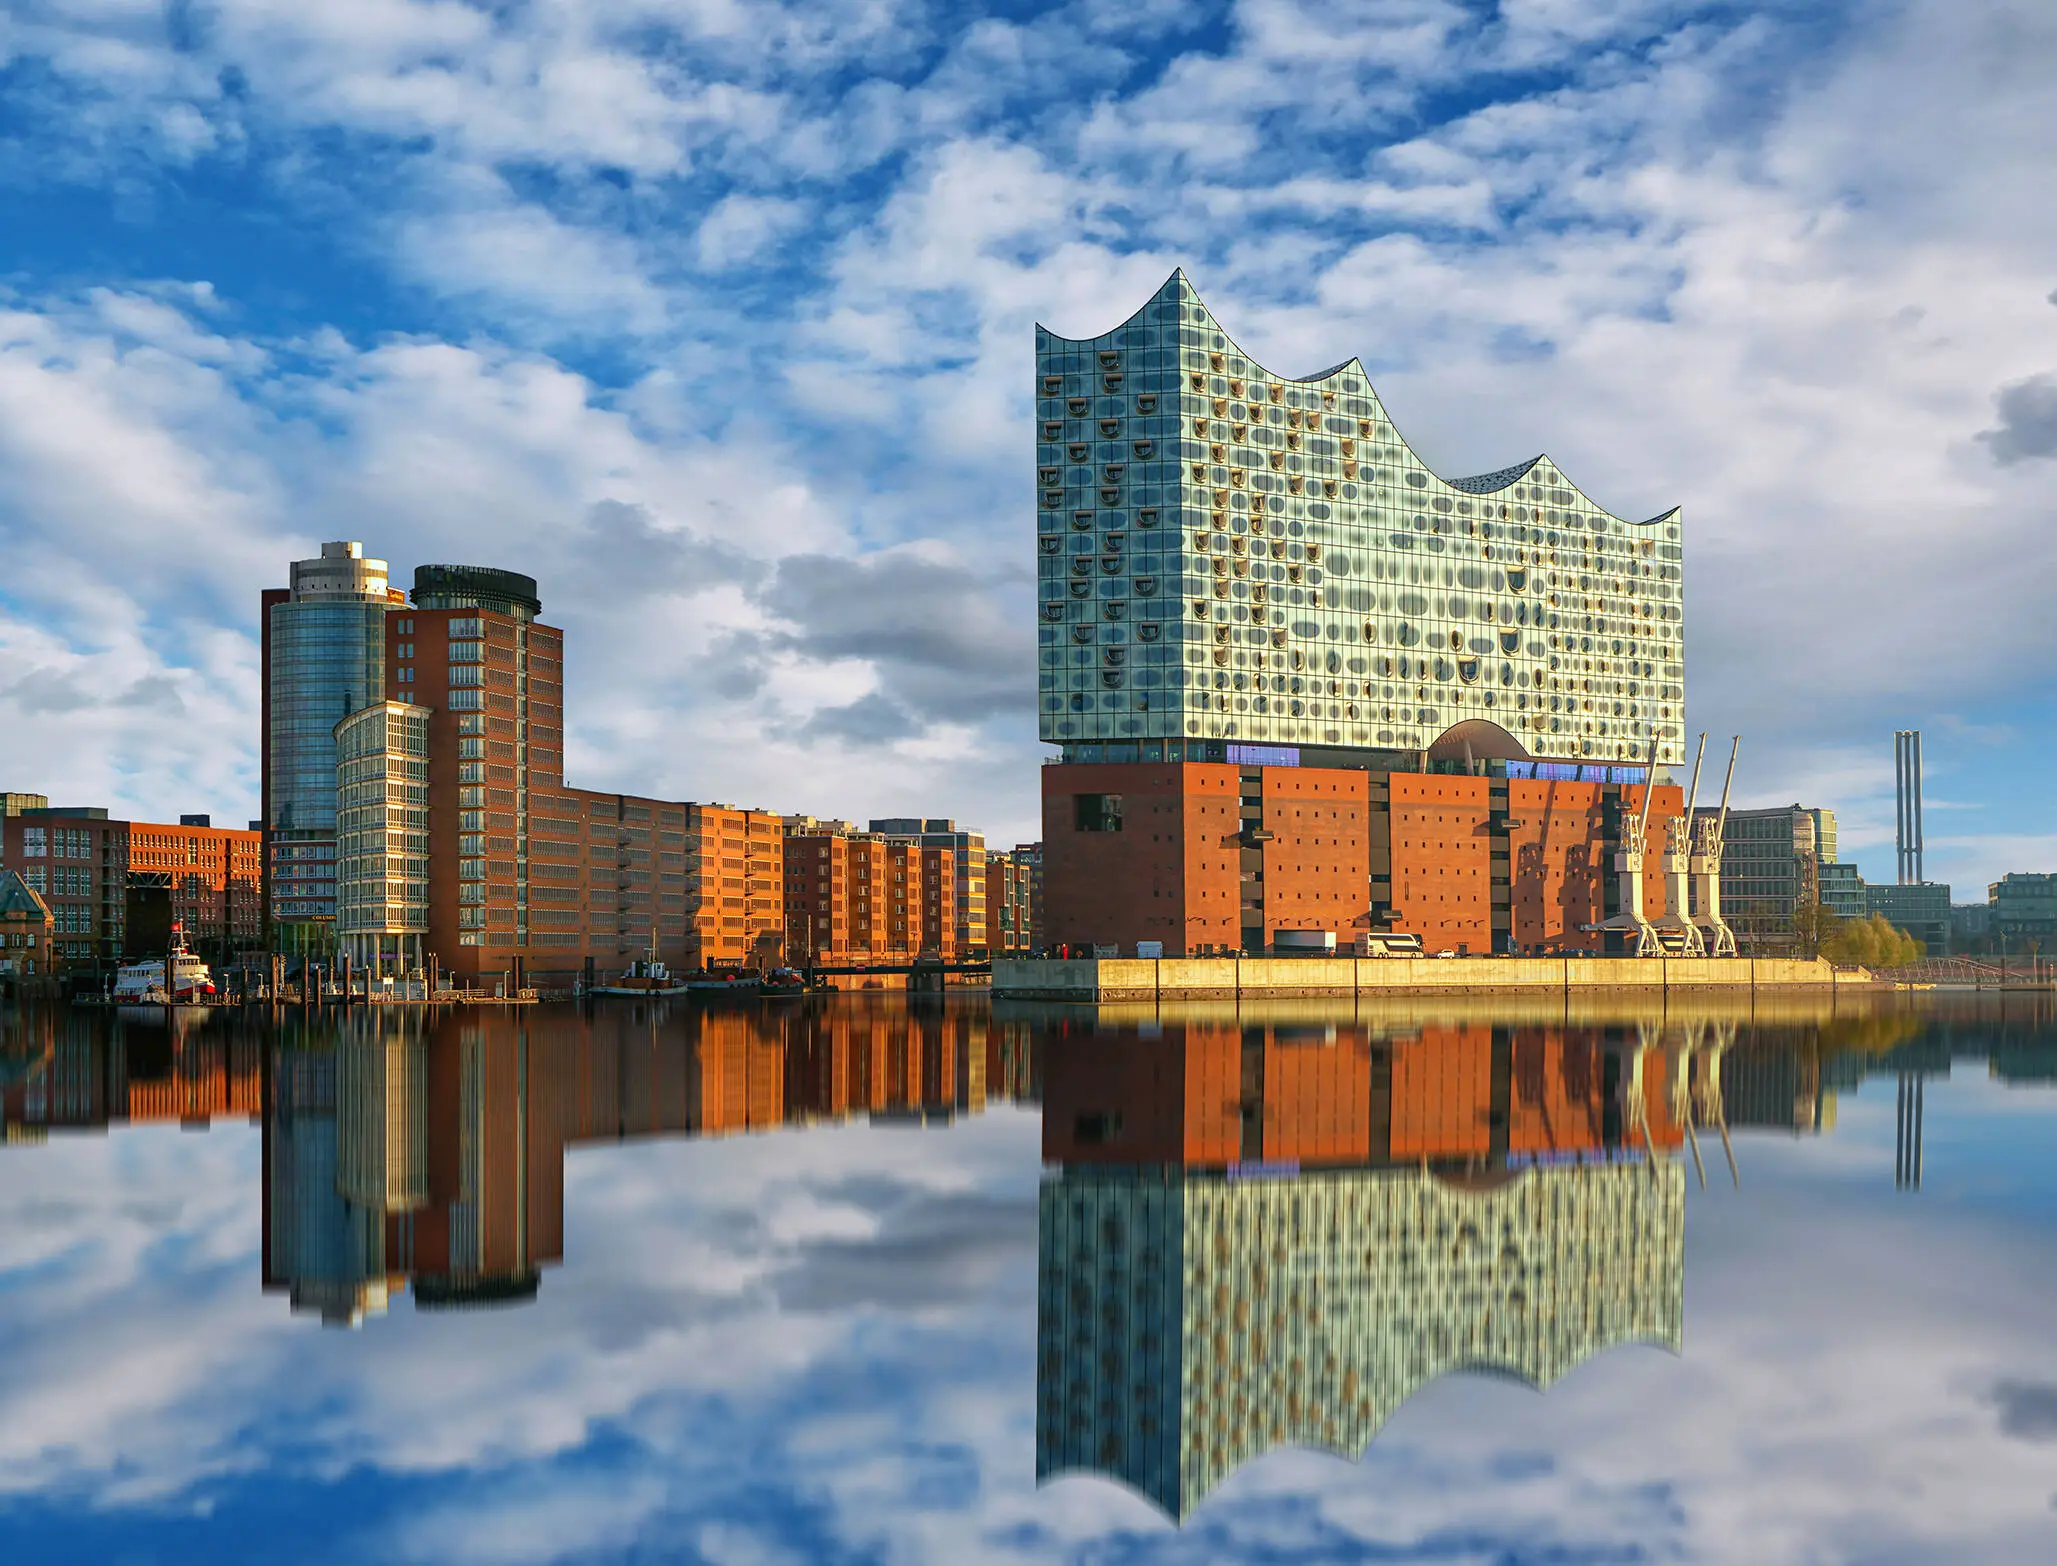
(1301, 683)
(114, 888)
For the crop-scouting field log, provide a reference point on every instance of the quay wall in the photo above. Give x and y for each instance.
(1142, 978)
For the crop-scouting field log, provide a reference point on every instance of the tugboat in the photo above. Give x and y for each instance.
(725, 981)
(178, 978)
(784, 984)
(644, 978)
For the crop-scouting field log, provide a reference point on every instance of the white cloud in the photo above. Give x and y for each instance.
(738, 228)
(1779, 268)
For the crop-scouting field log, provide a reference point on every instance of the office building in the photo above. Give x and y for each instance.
(1777, 1088)
(1770, 870)
(954, 877)
(1921, 908)
(322, 649)
(1971, 927)
(1824, 834)
(1841, 890)
(2023, 909)
(1253, 591)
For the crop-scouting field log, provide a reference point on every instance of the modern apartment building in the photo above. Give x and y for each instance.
(213, 878)
(954, 881)
(1253, 591)
(1011, 876)
(852, 897)
(733, 891)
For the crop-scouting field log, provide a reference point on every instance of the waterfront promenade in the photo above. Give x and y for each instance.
(1142, 978)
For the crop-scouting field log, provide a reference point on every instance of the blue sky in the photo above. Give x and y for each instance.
(819, 1345)
(717, 318)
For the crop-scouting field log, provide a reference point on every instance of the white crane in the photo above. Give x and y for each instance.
(1628, 871)
(1676, 930)
(1705, 870)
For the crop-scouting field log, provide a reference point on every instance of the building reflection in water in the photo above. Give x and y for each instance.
(423, 1151)
(426, 1150)
(1268, 1235)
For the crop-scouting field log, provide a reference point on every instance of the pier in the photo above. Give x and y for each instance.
(1143, 978)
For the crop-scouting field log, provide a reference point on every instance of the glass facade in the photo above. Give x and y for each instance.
(382, 845)
(1223, 553)
(1188, 1323)
(327, 661)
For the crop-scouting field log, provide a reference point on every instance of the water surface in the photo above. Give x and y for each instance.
(837, 1281)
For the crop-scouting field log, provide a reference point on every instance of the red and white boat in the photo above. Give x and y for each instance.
(178, 977)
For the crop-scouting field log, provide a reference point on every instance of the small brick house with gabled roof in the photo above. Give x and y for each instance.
(26, 927)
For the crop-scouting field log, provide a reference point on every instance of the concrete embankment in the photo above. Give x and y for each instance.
(1142, 978)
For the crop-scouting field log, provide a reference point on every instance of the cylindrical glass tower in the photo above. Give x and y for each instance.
(327, 660)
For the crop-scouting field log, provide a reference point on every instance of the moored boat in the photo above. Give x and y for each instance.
(784, 982)
(725, 981)
(176, 978)
(644, 977)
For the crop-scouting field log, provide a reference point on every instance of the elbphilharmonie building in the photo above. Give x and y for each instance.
(1227, 554)
(1305, 690)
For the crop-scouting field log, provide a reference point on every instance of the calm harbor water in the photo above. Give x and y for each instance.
(864, 1280)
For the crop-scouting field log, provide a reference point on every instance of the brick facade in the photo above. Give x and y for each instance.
(1209, 1095)
(1212, 858)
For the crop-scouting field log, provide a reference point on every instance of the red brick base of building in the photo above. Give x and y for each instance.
(1214, 858)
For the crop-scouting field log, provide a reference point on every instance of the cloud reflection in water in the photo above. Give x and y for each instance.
(818, 1344)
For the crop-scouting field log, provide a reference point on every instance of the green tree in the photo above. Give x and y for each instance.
(1872, 943)
(1814, 927)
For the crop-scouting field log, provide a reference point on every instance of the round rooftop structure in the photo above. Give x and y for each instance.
(476, 587)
